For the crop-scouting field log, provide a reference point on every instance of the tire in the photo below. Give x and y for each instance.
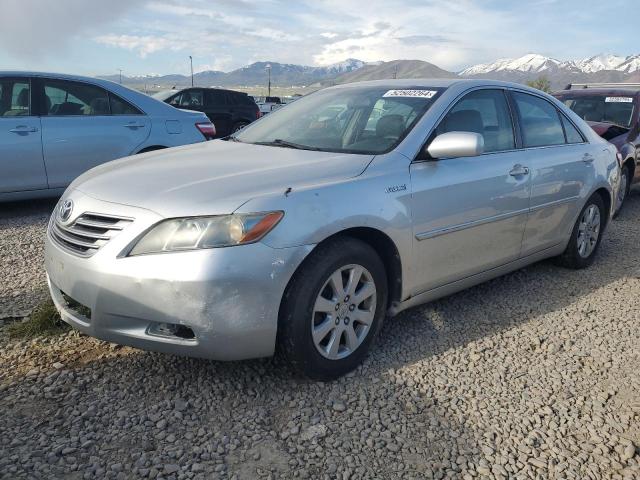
(238, 126)
(311, 302)
(625, 186)
(580, 254)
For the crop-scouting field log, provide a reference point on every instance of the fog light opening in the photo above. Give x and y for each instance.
(171, 330)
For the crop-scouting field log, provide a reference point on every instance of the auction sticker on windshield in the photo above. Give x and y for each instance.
(618, 100)
(410, 93)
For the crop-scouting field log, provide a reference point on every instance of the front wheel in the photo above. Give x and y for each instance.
(586, 235)
(333, 309)
(239, 126)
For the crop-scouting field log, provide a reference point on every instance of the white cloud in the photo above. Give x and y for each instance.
(143, 45)
(35, 28)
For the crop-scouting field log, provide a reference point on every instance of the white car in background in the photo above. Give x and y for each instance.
(268, 104)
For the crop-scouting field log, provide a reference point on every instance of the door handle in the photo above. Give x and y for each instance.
(134, 125)
(588, 158)
(519, 170)
(23, 129)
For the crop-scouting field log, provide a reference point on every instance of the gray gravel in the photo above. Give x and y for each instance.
(23, 284)
(534, 375)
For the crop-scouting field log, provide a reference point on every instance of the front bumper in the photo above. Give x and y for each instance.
(228, 297)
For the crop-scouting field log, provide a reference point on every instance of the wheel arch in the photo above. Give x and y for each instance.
(605, 195)
(383, 245)
(151, 148)
(630, 163)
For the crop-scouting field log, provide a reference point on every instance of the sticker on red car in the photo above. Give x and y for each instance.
(619, 100)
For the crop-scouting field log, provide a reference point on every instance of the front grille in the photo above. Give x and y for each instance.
(87, 233)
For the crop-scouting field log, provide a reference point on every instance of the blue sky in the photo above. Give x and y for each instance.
(157, 36)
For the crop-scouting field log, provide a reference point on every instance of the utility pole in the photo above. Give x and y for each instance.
(120, 70)
(191, 61)
(269, 84)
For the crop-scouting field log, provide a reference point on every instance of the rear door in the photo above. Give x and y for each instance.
(79, 130)
(470, 212)
(561, 163)
(21, 164)
(220, 110)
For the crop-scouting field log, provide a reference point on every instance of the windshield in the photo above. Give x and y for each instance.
(602, 108)
(367, 120)
(164, 94)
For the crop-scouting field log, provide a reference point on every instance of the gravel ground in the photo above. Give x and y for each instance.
(533, 375)
(23, 284)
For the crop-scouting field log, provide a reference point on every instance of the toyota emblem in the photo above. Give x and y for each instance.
(64, 212)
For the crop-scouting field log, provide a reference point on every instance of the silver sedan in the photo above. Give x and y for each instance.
(55, 127)
(308, 228)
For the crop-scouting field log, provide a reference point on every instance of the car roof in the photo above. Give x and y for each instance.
(600, 91)
(210, 88)
(145, 102)
(62, 76)
(458, 84)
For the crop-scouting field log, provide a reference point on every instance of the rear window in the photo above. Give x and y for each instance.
(540, 121)
(121, 107)
(615, 109)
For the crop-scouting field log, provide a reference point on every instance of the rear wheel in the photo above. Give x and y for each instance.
(333, 309)
(586, 235)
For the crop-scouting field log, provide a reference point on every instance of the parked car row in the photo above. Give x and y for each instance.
(55, 127)
(613, 111)
(301, 232)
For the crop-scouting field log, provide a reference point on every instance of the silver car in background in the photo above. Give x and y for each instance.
(55, 127)
(307, 228)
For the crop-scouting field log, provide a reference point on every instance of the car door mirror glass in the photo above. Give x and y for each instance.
(456, 144)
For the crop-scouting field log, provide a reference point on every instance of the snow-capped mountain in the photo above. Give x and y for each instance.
(536, 63)
(349, 65)
(529, 63)
(599, 62)
(630, 65)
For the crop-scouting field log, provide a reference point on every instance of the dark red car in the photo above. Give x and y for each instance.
(613, 111)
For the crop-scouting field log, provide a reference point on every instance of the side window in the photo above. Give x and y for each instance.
(121, 107)
(63, 98)
(191, 98)
(215, 98)
(14, 98)
(540, 121)
(485, 112)
(571, 132)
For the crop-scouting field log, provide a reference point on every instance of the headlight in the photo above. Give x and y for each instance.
(193, 233)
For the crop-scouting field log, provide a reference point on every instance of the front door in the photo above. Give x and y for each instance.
(470, 213)
(21, 164)
(79, 130)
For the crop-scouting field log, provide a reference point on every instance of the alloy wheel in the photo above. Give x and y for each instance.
(588, 230)
(344, 311)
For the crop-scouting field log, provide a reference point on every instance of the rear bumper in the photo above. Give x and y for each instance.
(228, 297)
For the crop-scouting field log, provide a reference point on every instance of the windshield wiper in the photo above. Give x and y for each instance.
(278, 142)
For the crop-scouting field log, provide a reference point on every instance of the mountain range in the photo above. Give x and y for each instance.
(599, 68)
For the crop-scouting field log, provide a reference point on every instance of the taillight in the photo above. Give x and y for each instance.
(207, 129)
(258, 113)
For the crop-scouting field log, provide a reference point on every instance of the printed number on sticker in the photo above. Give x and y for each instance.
(410, 93)
(618, 100)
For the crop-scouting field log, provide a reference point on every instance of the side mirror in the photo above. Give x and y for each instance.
(456, 144)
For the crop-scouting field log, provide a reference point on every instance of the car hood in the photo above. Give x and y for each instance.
(213, 177)
(613, 133)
